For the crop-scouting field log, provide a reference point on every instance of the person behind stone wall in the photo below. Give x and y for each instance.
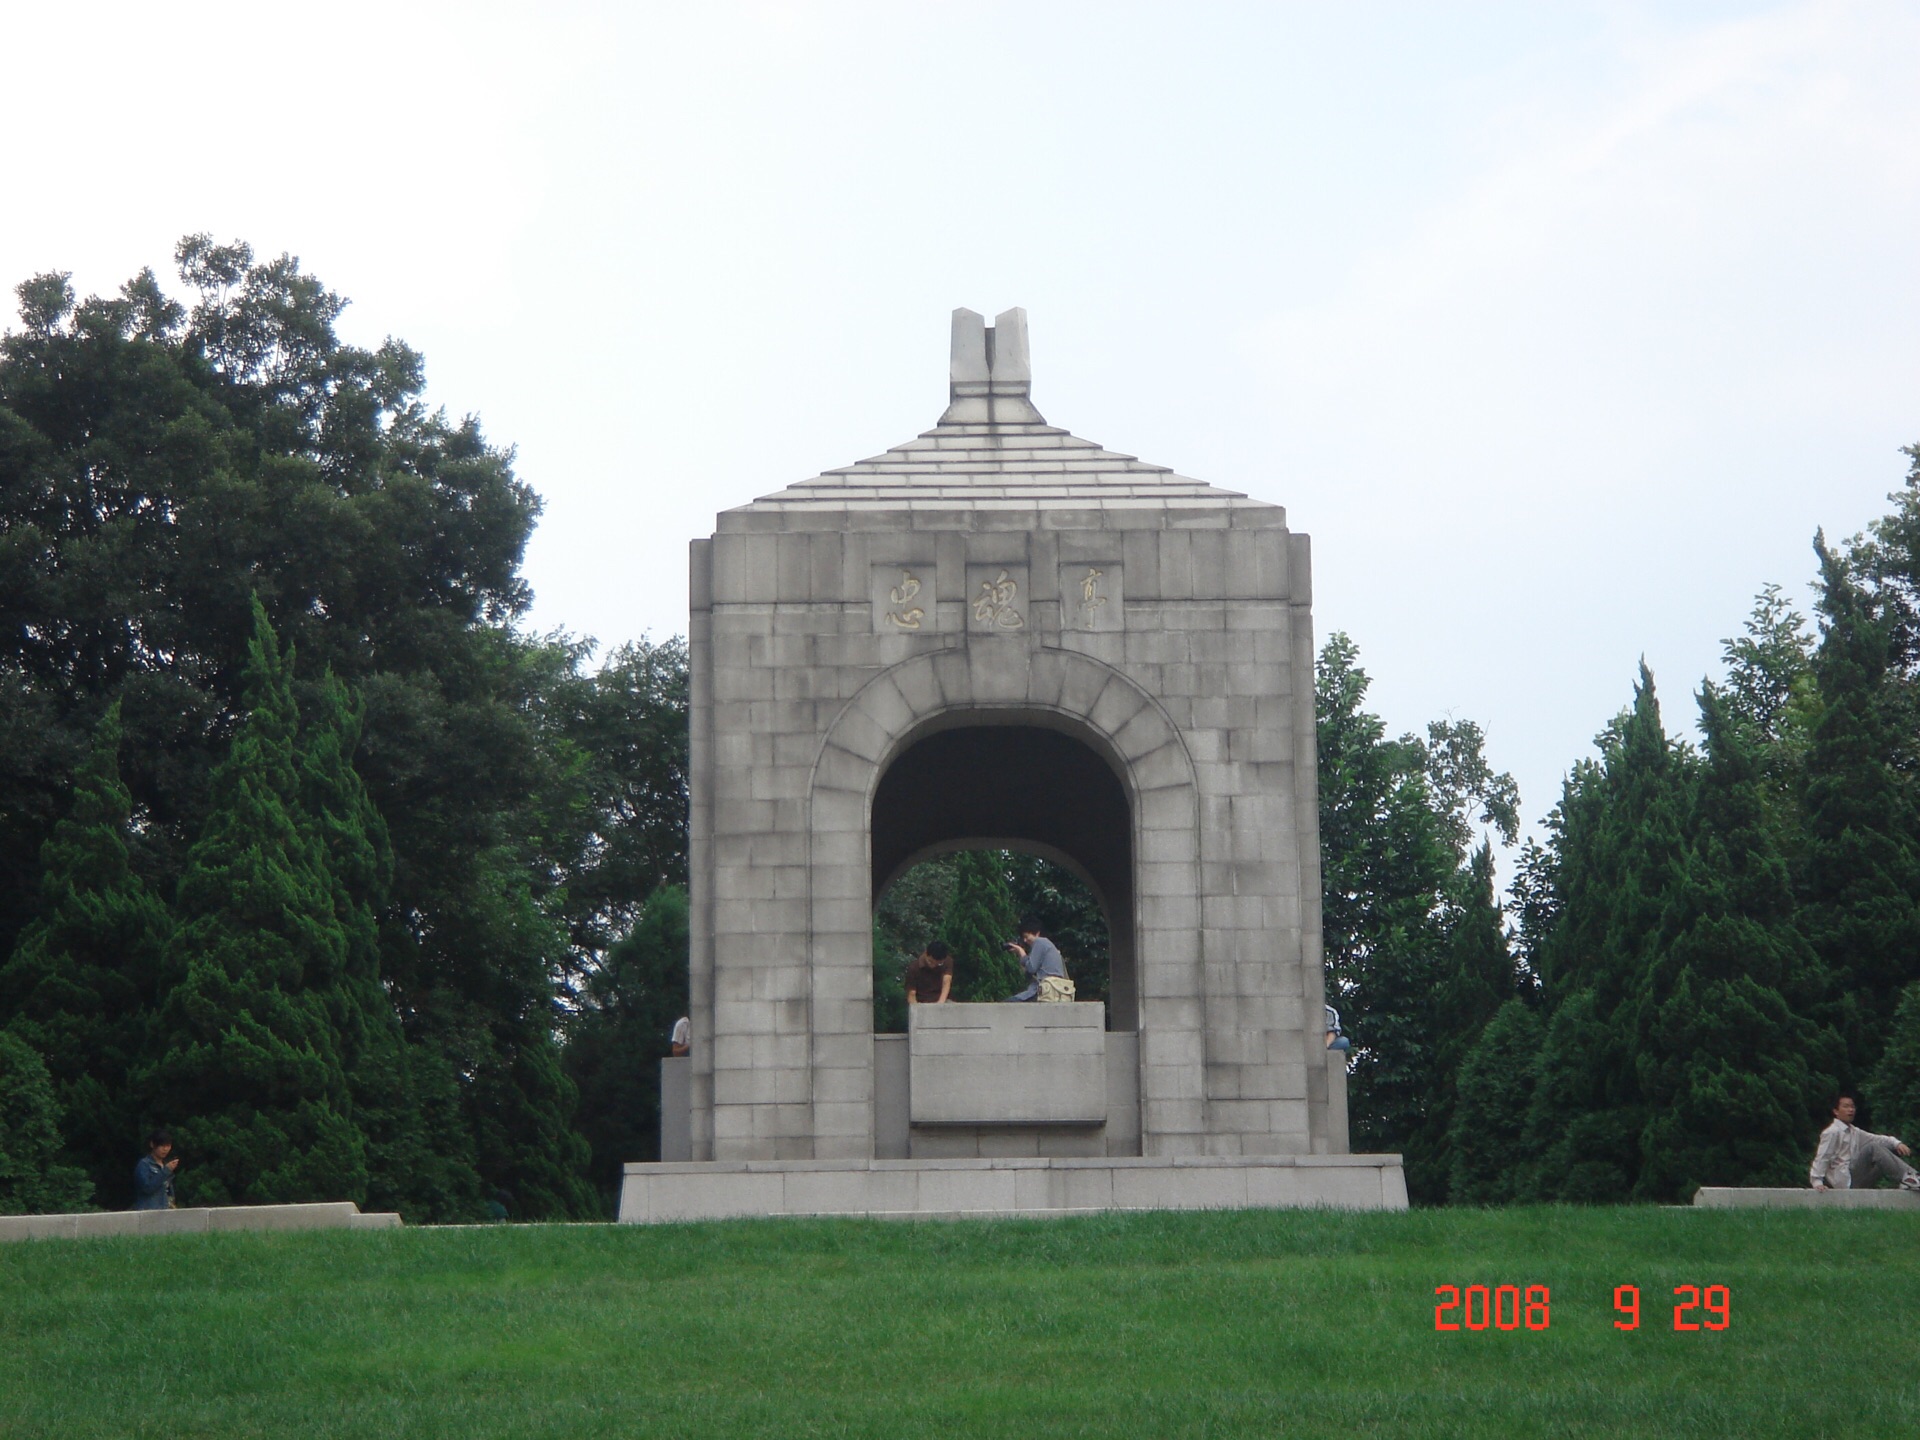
(1336, 1038)
(1849, 1157)
(682, 1039)
(930, 975)
(153, 1174)
(1040, 957)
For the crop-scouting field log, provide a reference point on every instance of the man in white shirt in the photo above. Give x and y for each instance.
(1849, 1156)
(682, 1040)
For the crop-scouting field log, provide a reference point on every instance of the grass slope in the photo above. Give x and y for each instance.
(1256, 1323)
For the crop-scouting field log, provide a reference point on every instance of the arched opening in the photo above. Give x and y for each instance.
(971, 898)
(985, 782)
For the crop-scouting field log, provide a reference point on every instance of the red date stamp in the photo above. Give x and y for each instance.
(1716, 1301)
(1498, 1306)
(1507, 1307)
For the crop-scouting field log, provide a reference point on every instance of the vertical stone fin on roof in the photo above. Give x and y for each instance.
(991, 376)
(992, 446)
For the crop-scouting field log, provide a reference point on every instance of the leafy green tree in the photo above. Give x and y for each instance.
(81, 983)
(1474, 977)
(33, 1179)
(251, 1073)
(1887, 558)
(1417, 953)
(1488, 1157)
(161, 465)
(1385, 860)
(1769, 687)
(627, 722)
(1861, 902)
(978, 923)
(1724, 1046)
(616, 1040)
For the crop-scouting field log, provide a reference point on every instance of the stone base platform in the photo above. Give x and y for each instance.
(1728, 1197)
(1032, 1186)
(329, 1215)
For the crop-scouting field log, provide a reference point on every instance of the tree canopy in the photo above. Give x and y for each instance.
(464, 815)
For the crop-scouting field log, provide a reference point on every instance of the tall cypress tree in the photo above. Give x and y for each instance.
(1861, 907)
(1619, 837)
(1489, 1160)
(81, 983)
(251, 1075)
(418, 1157)
(1727, 1059)
(977, 926)
(1893, 1090)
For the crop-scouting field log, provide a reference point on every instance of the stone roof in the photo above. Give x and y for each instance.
(992, 449)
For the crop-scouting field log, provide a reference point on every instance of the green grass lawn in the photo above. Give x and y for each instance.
(1254, 1323)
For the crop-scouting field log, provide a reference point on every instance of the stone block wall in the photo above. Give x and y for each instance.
(826, 635)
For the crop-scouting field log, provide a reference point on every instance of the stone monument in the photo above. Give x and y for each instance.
(999, 634)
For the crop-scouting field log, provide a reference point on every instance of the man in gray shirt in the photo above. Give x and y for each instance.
(1850, 1157)
(1041, 959)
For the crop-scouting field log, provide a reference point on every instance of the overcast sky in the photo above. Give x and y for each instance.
(1559, 328)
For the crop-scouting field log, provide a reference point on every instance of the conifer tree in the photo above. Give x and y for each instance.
(1893, 1090)
(251, 1075)
(1487, 1155)
(418, 1155)
(1861, 906)
(33, 1179)
(977, 925)
(1619, 838)
(81, 983)
(1726, 1056)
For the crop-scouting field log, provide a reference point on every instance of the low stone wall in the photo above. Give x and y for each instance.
(1754, 1197)
(330, 1215)
(1023, 1186)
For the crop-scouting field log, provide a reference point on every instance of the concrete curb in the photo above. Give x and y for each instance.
(1728, 1197)
(325, 1215)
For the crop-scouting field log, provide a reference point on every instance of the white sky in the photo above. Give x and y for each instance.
(1559, 328)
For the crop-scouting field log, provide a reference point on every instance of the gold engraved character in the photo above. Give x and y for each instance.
(1090, 597)
(994, 604)
(906, 615)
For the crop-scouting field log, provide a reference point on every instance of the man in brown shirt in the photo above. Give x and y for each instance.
(930, 975)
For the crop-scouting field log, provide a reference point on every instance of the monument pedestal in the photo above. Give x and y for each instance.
(1035, 1186)
(980, 1168)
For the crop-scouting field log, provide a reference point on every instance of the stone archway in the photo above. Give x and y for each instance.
(995, 780)
(1087, 708)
